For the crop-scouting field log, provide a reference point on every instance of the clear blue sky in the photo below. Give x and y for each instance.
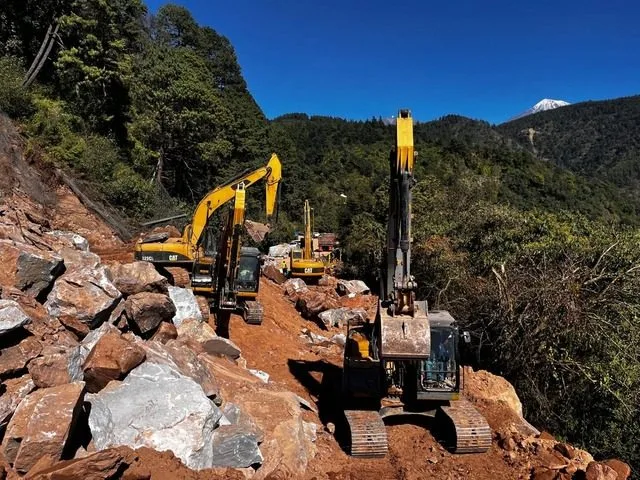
(482, 59)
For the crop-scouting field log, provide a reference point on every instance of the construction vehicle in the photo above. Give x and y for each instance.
(189, 261)
(303, 264)
(236, 271)
(408, 360)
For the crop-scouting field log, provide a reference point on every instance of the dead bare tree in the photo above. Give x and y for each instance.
(43, 54)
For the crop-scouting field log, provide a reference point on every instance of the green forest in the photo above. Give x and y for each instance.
(531, 244)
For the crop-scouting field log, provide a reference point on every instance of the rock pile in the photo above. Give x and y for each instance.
(96, 357)
(333, 302)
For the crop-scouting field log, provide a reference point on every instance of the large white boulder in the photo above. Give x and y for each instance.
(156, 407)
(186, 305)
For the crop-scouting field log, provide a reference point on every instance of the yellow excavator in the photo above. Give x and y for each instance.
(236, 272)
(303, 263)
(407, 361)
(189, 261)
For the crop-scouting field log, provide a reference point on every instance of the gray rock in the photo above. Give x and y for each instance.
(221, 346)
(338, 317)
(232, 414)
(186, 305)
(36, 271)
(352, 287)
(234, 447)
(295, 286)
(156, 407)
(71, 239)
(339, 339)
(11, 316)
(264, 376)
(184, 360)
(314, 338)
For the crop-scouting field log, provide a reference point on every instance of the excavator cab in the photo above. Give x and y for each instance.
(248, 271)
(439, 375)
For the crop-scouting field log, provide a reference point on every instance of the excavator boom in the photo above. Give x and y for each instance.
(217, 197)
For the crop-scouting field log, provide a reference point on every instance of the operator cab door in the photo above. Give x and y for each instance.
(248, 273)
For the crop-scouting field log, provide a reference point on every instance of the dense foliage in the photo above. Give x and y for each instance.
(538, 261)
(597, 139)
(160, 98)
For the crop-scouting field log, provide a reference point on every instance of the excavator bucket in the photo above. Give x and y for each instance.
(404, 336)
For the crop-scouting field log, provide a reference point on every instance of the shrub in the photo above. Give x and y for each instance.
(131, 191)
(15, 100)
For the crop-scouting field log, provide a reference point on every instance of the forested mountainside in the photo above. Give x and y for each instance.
(598, 139)
(539, 260)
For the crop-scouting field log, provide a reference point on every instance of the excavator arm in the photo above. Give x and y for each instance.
(229, 248)
(303, 264)
(228, 255)
(272, 173)
(400, 284)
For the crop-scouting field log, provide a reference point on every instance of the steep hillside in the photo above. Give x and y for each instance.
(596, 139)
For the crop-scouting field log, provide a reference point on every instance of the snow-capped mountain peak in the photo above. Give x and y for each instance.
(541, 106)
(548, 104)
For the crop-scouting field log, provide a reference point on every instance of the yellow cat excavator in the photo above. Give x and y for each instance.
(190, 259)
(236, 272)
(303, 264)
(407, 361)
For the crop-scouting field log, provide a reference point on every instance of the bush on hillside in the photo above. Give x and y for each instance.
(131, 191)
(15, 100)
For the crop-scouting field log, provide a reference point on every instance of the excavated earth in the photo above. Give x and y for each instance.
(299, 355)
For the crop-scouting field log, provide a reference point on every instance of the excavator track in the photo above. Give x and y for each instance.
(203, 304)
(368, 434)
(179, 276)
(252, 312)
(466, 430)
